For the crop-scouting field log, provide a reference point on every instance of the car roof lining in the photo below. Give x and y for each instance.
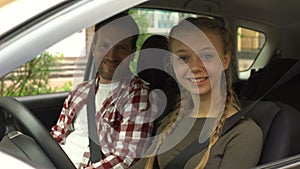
(279, 12)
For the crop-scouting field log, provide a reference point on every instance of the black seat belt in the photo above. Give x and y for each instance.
(95, 151)
(196, 147)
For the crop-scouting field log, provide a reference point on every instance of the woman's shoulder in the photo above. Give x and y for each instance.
(246, 121)
(247, 126)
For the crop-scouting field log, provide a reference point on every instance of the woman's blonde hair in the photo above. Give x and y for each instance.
(168, 123)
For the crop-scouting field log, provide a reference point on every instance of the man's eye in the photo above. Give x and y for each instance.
(122, 47)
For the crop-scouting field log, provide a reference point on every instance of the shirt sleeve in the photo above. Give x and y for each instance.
(73, 103)
(138, 111)
(62, 128)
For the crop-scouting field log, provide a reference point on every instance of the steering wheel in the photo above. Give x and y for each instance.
(37, 131)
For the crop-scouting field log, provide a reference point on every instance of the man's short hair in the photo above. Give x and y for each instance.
(123, 20)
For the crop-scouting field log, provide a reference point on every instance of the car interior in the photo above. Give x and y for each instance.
(266, 79)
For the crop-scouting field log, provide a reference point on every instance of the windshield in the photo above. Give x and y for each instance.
(14, 12)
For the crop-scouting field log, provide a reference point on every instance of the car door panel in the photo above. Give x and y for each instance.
(46, 107)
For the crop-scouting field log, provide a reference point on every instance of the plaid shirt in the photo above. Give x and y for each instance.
(123, 121)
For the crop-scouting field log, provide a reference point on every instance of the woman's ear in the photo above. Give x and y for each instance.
(226, 60)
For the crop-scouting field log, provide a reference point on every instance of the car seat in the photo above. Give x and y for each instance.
(280, 124)
(152, 58)
(261, 81)
(151, 67)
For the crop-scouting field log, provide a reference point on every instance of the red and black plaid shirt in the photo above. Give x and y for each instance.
(123, 121)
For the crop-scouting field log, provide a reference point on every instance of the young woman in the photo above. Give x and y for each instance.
(201, 52)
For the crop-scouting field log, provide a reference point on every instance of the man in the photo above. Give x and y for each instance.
(124, 107)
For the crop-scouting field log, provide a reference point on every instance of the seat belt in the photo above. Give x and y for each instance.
(196, 147)
(95, 150)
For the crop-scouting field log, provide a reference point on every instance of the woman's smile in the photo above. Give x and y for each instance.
(197, 80)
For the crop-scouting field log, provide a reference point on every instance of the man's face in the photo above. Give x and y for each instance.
(112, 46)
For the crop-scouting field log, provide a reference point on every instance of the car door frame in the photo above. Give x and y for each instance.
(26, 44)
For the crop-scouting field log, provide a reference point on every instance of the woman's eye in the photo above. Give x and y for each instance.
(206, 57)
(183, 58)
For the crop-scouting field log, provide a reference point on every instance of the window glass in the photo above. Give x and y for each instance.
(56, 69)
(154, 21)
(249, 44)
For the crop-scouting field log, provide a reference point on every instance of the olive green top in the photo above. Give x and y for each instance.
(238, 148)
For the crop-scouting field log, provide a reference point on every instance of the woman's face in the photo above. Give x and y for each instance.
(198, 61)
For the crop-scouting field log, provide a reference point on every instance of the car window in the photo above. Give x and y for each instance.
(249, 44)
(62, 66)
(155, 21)
(57, 69)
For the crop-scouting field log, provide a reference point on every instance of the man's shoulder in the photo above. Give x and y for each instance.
(247, 127)
(80, 90)
(135, 86)
(83, 85)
